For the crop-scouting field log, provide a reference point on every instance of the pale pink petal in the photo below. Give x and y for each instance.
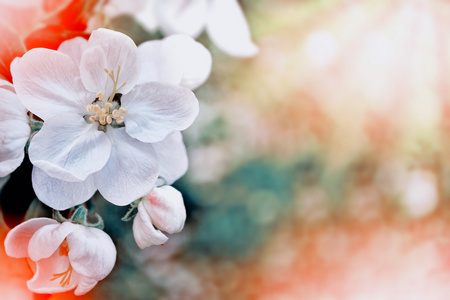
(228, 29)
(5, 84)
(74, 48)
(46, 240)
(156, 109)
(194, 59)
(46, 268)
(85, 285)
(59, 194)
(92, 252)
(159, 63)
(144, 232)
(166, 209)
(172, 157)
(68, 148)
(16, 242)
(182, 16)
(15, 132)
(109, 49)
(131, 170)
(48, 83)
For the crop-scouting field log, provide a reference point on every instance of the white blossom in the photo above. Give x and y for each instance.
(161, 210)
(104, 127)
(223, 20)
(15, 130)
(67, 255)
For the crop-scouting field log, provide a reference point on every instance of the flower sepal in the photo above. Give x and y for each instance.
(80, 215)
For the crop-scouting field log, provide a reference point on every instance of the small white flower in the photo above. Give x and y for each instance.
(176, 59)
(15, 130)
(102, 130)
(67, 255)
(222, 19)
(162, 209)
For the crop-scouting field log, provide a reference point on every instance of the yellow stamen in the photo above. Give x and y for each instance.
(123, 110)
(65, 280)
(115, 82)
(109, 119)
(101, 120)
(107, 106)
(89, 108)
(96, 108)
(100, 95)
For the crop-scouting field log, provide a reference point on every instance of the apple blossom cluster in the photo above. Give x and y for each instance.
(102, 115)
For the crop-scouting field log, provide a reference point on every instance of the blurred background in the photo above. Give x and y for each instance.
(319, 169)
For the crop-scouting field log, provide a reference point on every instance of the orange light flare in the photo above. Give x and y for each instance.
(39, 23)
(408, 261)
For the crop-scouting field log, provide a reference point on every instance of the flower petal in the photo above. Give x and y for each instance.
(166, 209)
(42, 282)
(15, 133)
(157, 109)
(108, 49)
(131, 170)
(5, 84)
(85, 285)
(172, 157)
(59, 194)
(46, 240)
(195, 60)
(16, 242)
(228, 29)
(158, 63)
(48, 83)
(185, 16)
(92, 252)
(68, 148)
(74, 48)
(144, 232)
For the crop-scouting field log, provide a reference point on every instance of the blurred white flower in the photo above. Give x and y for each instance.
(177, 59)
(15, 129)
(67, 255)
(222, 19)
(102, 130)
(162, 209)
(420, 196)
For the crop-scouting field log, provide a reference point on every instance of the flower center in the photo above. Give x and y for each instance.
(107, 111)
(65, 276)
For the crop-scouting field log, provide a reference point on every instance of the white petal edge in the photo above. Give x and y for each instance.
(194, 58)
(228, 29)
(92, 252)
(68, 148)
(109, 49)
(172, 157)
(131, 170)
(47, 239)
(144, 233)
(74, 48)
(182, 17)
(158, 63)
(15, 133)
(17, 239)
(48, 83)
(157, 109)
(166, 209)
(59, 194)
